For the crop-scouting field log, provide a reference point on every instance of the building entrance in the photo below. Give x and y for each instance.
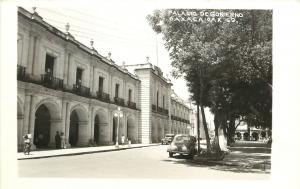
(96, 129)
(42, 127)
(74, 124)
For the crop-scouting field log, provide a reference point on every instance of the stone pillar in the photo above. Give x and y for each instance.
(66, 67)
(124, 90)
(110, 118)
(92, 122)
(91, 80)
(83, 134)
(20, 131)
(109, 87)
(124, 132)
(31, 120)
(67, 123)
(70, 71)
(63, 117)
(31, 49)
(37, 68)
(95, 89)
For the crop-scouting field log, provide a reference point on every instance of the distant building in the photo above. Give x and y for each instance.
(246, 132)
(68, 87)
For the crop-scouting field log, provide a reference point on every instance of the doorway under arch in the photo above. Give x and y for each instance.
(42, 127)
(96, 129)
(74, 127)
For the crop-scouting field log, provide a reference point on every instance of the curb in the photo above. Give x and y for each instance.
(84, 152)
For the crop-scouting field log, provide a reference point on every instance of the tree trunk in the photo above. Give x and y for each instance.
(217, 125)
(198, 129)
(231, 130)
(206, 130)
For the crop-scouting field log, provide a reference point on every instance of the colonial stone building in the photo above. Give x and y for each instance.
(68, 87)
(181, 115)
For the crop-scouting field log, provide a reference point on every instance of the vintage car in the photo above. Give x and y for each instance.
(183, 144)
(168, 139)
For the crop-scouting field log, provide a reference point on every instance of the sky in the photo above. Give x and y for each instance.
(121, 30)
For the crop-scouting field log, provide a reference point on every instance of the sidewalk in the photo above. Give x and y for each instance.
(77, 151)
(245, 156)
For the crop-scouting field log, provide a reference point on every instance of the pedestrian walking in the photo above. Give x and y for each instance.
(57, 140)
(123, 139)
(63, 142)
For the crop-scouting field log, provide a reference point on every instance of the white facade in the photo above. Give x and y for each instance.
(53, 98)
(67, 87)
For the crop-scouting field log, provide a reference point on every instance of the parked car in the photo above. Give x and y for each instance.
(168, 139)
(183, 144)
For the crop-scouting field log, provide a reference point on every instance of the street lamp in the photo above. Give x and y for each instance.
(119, 114)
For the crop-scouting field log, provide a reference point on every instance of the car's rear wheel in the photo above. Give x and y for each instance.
(170, 154)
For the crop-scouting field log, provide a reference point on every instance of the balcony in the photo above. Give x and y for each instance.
(165, 111)
(162, 111)
(119, 101)
(103, 96)
(176, 118)
(81, 90)
(49, 81)
(21, 73)
(131, 105)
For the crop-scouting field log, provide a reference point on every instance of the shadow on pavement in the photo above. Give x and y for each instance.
(244, 158)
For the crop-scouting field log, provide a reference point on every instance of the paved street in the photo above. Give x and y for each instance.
(148, 162)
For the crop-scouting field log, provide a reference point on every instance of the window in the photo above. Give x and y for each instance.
(163, 101)
(49, 65)
(79, 72)
(129, 95)
(100, 86)
(117, 90)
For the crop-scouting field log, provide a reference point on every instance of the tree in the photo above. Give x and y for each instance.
(227, 65)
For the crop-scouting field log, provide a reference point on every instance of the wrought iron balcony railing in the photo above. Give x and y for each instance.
(119, 101)
(176, 118)
(103, 96)
(81, 90)
(21, 73)
(49, 81)
(162, 110)
(131, 104)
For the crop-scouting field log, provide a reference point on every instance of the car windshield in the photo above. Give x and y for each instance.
(181, 138)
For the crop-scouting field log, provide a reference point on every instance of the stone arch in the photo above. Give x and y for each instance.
(78, 128)
(53, 107)
(82, 112)
(20, 128)
(47, 122)
(100, 127)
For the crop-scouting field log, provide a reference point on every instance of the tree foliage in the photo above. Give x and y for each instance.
(227, 65)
